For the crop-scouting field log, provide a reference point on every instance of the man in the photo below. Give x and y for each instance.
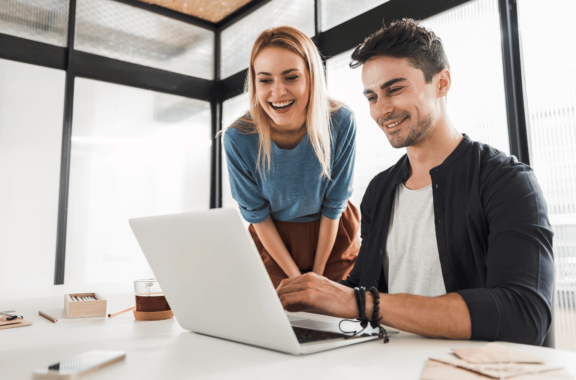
(456, 232)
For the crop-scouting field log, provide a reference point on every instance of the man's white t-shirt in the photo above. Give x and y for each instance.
(412, 262)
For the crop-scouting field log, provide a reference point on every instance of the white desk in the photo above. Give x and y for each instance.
(163, 350)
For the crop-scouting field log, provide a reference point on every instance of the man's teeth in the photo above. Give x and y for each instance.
(395, 124)
(283, 104)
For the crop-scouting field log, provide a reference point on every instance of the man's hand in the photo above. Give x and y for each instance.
(446, 316)
(311, 292)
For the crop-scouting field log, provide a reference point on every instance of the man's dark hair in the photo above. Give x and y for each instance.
(405, 39)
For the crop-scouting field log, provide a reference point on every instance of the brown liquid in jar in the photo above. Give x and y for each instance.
(151, 302)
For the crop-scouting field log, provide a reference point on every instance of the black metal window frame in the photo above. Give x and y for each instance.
(332, 42)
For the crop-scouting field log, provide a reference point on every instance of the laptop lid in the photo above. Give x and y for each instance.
(213, 277)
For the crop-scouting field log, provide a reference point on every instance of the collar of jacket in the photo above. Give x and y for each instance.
(404, 172)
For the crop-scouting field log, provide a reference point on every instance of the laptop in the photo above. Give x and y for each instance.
(217, 285)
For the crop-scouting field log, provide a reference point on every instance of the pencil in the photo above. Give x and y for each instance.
(48, 317)
(121, 311)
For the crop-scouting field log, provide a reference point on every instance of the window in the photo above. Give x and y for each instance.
(547, 38)
(38, 20)
(232, 109)
(472, 40)
(335, 12)
(476, 103)
(373, 151)
(237, 40)
(31, 104)
(119, 31)
(134, 153)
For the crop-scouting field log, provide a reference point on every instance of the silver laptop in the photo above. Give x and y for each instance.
(216, 284)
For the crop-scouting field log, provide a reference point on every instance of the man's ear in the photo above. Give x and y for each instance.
(444, 80)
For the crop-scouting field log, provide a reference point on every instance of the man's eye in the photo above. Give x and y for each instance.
(371, 98)
(395, 89)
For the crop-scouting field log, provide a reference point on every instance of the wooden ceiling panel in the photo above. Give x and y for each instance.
(210, 10)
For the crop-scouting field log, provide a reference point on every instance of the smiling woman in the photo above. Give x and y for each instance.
(290, 160)
(284, 95)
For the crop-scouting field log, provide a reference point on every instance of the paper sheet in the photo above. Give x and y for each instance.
(493, 361)
(435, 370)
(495, 353)
(498, 370)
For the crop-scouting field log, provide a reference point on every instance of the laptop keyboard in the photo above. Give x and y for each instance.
(307, 335)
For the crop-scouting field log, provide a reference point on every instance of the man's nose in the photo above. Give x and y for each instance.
(383, 109)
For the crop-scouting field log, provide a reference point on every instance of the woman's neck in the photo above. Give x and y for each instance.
(286, 137)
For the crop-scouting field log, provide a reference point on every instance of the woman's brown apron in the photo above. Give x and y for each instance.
(301, 241)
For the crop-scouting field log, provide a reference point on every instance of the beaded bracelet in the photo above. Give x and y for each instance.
(360, 294)
(375, 322)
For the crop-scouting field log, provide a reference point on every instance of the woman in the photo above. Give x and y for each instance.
(291, 161)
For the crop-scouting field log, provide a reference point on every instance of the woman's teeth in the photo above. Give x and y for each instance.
(282, 105)
(396, 123)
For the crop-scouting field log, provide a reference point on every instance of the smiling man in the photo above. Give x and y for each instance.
(455, 235)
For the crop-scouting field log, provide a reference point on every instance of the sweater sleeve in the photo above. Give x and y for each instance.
(339, 189)
(515, 305)
(253, 206)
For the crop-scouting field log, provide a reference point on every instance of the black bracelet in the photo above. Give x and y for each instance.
(361, 308)
(375, 322)
(360, 295)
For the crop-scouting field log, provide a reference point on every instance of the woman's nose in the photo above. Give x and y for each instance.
(278, 90)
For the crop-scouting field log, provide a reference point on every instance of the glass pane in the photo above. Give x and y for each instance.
(471, 34)
(335, 12)
(373, 151)
(38, 20)
(232, 109)
(111, 29)
(30, 151)
(134, 153)
(237, 40)
(472, 41)
(548, 57)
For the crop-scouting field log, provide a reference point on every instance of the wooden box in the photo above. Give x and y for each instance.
(82, 309)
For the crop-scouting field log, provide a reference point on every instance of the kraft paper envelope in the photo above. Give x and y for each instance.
(493, 361)
(499, 370)
(496, 353)
(435, 370)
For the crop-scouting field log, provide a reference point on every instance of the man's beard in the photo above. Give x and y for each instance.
(415, 134)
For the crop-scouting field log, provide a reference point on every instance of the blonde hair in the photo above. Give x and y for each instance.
(319, 108)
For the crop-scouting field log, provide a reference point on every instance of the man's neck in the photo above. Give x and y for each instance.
(431, 152)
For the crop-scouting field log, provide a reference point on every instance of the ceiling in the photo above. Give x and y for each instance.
(210, 10)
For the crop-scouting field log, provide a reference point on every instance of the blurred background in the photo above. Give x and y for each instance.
(109, 110)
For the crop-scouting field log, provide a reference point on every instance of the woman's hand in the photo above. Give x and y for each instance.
(313, 293)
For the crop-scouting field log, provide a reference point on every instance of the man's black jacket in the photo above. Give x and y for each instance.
(493, 234)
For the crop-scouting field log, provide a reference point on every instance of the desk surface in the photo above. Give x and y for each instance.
(163, 350)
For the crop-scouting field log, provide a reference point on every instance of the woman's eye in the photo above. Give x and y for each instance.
(292, 78)
(265, 81)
